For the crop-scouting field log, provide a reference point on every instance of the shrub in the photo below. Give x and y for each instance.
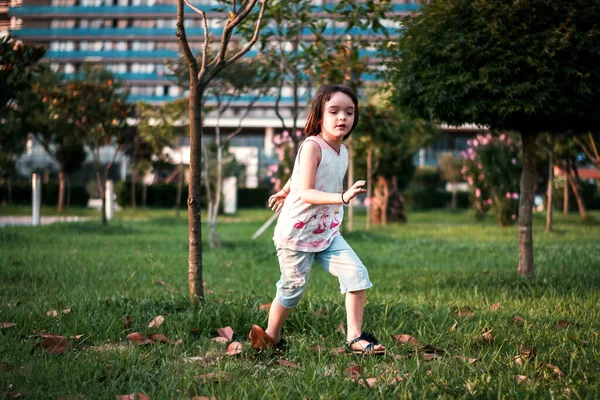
(21, 194)
(493, 169)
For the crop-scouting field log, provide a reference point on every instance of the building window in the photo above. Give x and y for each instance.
(62, 23)
(142, 46)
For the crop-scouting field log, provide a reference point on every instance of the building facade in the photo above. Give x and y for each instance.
(134, 39)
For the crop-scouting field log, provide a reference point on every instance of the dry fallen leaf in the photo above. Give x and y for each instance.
(286, 363)
(352, 372)
(156, 322)
(138, 338)
(216, 377)
(467, 359)
(338, 351)
(157, 337)
(555, 370)
(527, 352)
(432, 349)
(431, 356)
(220, 339)
(226, 332)
(234, 349)
(127, 323)
(369, 382)
(521, 321)
(404, 339)
(522, 379)
(465, 312)
(495, 306)
(54, 344)
(265, 306)
(4, 325)
(454, 326)
(342, 328)
(133, 396)
(488, 336)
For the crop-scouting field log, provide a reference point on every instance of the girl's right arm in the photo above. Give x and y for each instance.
(310, 156)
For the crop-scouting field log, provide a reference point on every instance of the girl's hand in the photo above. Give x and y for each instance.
(276, 201)
(354, 191)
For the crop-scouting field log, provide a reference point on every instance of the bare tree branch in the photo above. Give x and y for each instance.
(254, 35)
(187, 52)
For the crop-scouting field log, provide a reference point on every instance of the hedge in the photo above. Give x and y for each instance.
(21, 194)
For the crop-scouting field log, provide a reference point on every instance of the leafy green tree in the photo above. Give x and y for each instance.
(450, 166)
(200, 75)
(526, 66)
(18, 69)
(96, 104)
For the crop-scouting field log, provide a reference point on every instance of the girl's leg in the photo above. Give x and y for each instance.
(277, 316)
(355, 306)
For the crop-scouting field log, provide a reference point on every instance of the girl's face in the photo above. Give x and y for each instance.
(338, 116)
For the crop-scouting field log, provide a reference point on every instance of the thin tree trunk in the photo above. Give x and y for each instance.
(179, 188)
(453, 201)
(196, 289)
(528, 179)
(61, 190)
(68, 187)
(566, 191)
(369, 185)
(133, 179)
(550, 189)
(576, 187)
(144, 194)
(9, 189)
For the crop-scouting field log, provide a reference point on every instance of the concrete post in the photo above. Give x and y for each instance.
(109, 199)
(36, 197)
(230, 195)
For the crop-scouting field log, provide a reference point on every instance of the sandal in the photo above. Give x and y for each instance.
(368, 349)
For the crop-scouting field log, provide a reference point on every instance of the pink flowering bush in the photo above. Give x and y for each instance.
(284, 149)
(492, 167)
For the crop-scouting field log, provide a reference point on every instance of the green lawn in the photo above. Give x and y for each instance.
(443, 278)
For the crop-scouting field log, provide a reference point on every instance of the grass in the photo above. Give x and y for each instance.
(423, 272)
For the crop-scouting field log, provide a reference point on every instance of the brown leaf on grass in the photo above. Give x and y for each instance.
(216, 377)
(431, 356)
(4, 325)
(432, 349)
(127, 323)
(138, 338)
(220, 339)
(54, 344)
(454, 326)
(55, 313)
(200, 360)
(6, 367)
(133, 396)
(522, 379)
(488, 336)
(14, 395)
(259, 338)
(319, 313)
(495, 306)
(158, 337)
(465, 312)
(265, 306)
(286, 363)
(156, 322)
(557, 372)
(159, 282)
(352, 372)
(234, 349)
(527, 352)
(338, 351)
(76, 337)
(518, 360)
(342, 328)
(368, 382)
(319, 348)
(226, 332)
(404, 339)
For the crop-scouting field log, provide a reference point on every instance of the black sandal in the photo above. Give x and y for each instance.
(368, 349)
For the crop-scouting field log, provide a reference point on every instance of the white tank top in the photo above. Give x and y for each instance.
(312, 227)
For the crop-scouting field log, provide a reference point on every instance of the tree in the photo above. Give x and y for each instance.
(54, 130)
(526, 66)
(200, 76)
(18, 69)
(96, 104)
(451, 166)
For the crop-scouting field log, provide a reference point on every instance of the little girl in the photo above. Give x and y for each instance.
(308, 228)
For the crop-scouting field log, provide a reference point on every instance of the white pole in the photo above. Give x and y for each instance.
(36, 197)
(109, 199)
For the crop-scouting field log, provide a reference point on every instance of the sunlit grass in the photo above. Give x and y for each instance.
(423, 273)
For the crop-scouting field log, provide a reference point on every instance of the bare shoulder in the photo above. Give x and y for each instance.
(310, 150)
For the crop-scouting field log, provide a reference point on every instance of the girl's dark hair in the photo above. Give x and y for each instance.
(315, 114)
